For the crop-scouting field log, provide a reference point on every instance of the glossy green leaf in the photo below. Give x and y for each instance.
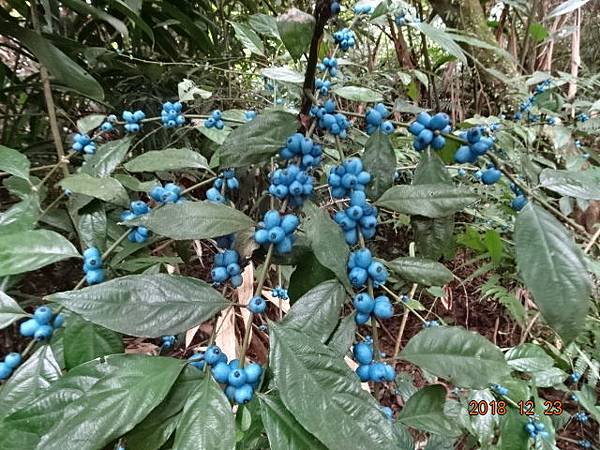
(465, 358)
(84, 341)
(133, 184)
(296, 30)
(107, 158)
(425, 411)
(92, 404)
(431, 170)
(169, 159)
(86, 9)
(258, 140)
(588, 399)
(194, 220)
(358, 94)
(429, 200)
(566, 7)
(317, 312)
(581, 184)
(284, 74)
(553, 269)
(549, 377)
(327, 241)
(283, 430)
(318, 388)
(29, 380)
(422, 271)
(512, 431)
(248, 38)
(60, 66)
(343, 337)
(483, 424)
(90, 122)
(156, 429)
(92, 226)
(145, 305)
(10, 311)
(528, 358)
(30, 250)
(379, 160)
(207, 420)
(308, 274)
(264, 24)
(107, 189)
(14, 162)
(21, 216)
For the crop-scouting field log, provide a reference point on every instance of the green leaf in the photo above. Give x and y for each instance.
(512, 431)
(317, 312)
(538, 32)
(264, 24)
(194, 220)
(92, 225)
(327, 241)
(582, 184)
(258, 140)
(283, 430)
(318, 388)
(169, 159)
(145, 305)
(207, 420)
(133, 184)
(528, 358)
(60, 66)
(553, 269)
(84, 341)
(425, 411)
(156, 429)
(483, 424)
(14, 162)
(107, 189)
(358, 94)
(379, 160)
(308, 274)
(429, 200)
(249, 39)
(587, 398)
(21, 216)
(90, 122)
(93, 404)
(10, 311)
(343, 337)
(296, 30)
(431, 170)
(493, 244)
(465, 358)
(107, 158)
(217, 136)
(434, 237)
(566, 8)
(422, 271)
(85, 9)
(549, 377)
(440, 37)
(30, 250)
(284, 74)
(29, 380)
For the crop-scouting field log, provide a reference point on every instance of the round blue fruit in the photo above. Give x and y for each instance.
(42, 314)
(243, 394)
(29, 327)
(12, 360)
(257, 305)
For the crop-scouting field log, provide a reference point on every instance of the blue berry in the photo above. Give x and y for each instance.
(237, 378)
(5, 371)
(363, 353)
(518, 203)
(197, 360)
(364, 303)
(219, 274)
(29, 327)
(43, 333)
(212, 355)
(253, 373)
(257, 305)
(491, 176)
(12, 360)
(388, 412)
(243, 394)
(42, 315)
(361, 318)
(94, 276)
(363, 373)
(221, 372)
(377, 372)
(250, 115)
(171, 116)
(383, 308)
(344, 38)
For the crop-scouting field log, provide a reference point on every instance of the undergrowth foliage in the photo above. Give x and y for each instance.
(292, 209)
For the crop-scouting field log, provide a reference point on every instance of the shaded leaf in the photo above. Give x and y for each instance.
(358, 94)
(14, 162)
(308, 274)
(90, 122)
(249, 39)
(169, 159)
(528, 358)
(92, 226)
(343, 337)
(582, 184)
(284, 74)
(422, 271)
(84, 341)
(425, 411)
(107, 189)
(566, 7)
(379, 160)
(10, 311)
(107, 158)
(296, 30)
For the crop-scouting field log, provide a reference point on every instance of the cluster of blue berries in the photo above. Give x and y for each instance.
(431, 324)
(429, 130)
(227, 267)
(279, 292)
(581, 417)
(368, 369)
(519, 202)
(583, 117)
(336, 123)
(528, 103)
(359, 217)
(499, 389)
(168, 341)
(575, 377)
(136, 209)
(362, 267)
(108, 125)
(82, 143)
(292, 183)
(298, 146)
(375, 119)
(171, 115)
(347, 178)
(476, 145)
(584, 443)
(133, 120)
(535, 428)
(363, 9)
(92, 266)
(335, 7)
(345, 38)
(329, 65)
(277, 230)
(170, 193)
(323, 86)
(215, 120)
(216, 193)
(367, 306)
(250, 115)
(42, 325)
(10, 363)
(240, 383)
